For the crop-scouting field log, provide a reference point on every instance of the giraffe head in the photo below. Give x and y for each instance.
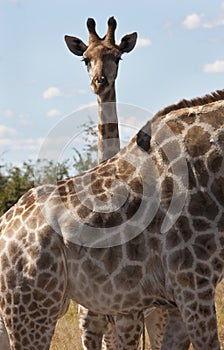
(101, 55)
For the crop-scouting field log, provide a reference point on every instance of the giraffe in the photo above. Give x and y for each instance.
(102, 57)
(59, 242)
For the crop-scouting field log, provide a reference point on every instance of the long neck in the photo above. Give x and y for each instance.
(108, 133)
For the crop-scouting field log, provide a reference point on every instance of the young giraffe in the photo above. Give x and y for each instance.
(102, 57)
(56, 244)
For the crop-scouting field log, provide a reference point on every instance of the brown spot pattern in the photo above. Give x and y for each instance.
(167, 191)
(201, 172)
(180, 260)
(201, 204)
(200, 225)
(97, 186)
(217, 188)
(109, 130)
(186, 280)
(83, 211)
(172, 239)
(213, 119)
(182, 225)
(197, 141)
(128, 278)
(136, 185)
(136, 250)
(175, 126)
(125, 170)
(221, 139)
(214, 161)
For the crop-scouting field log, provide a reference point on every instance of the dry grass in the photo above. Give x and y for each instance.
(67, 335)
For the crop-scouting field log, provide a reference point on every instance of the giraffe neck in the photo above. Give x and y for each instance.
(108, 133)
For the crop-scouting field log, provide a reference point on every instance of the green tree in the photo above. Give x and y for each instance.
(47, 172)
(15, 181)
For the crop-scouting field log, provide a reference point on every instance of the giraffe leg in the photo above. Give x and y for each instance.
(27, 337)
(155, 324)
(4, 339)
(199, 317)
(32, 298)
(175, 336)
(30, 326)
(92, 327)
(110, 337)
(129, 329)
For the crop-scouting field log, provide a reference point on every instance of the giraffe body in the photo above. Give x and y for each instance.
(60, 242)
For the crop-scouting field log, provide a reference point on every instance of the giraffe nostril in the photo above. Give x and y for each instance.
(100, 80)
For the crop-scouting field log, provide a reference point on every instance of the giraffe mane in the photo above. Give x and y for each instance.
(198, 101)
(144, 135)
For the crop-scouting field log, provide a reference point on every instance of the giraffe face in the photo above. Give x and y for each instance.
(102, 65)
(101, 56)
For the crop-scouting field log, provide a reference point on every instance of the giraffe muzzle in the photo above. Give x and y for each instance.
(99, 84)
(100, 80)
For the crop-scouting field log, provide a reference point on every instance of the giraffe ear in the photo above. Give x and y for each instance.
(75, 45)
(128, 43)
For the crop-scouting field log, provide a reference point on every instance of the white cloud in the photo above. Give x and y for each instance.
(142, 42)
(53, 113)
(51, 92)
(195, 20)
(215, 67)
(6, 132)
(215, 23)
(12, 140)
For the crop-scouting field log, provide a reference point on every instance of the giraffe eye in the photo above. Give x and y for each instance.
(86, 61)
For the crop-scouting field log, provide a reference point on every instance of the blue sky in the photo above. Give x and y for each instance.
(180, 54)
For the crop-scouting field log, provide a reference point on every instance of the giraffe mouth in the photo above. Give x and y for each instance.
(99, 88)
